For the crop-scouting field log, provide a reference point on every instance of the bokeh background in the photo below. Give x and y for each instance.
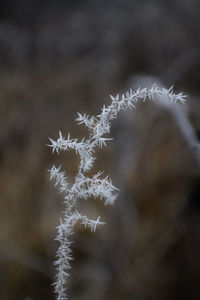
(61, 57)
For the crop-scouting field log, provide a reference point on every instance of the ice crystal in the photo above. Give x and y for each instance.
(96, 186)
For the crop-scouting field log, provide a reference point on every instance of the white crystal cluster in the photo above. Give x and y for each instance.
(95, 186)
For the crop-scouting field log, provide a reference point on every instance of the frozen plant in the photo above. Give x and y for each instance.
(96, 186)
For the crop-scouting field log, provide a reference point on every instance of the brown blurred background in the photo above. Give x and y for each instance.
(61, 57)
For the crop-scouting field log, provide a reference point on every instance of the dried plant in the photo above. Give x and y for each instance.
(96, 186)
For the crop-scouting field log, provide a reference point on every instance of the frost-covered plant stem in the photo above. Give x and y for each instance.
(84, 186)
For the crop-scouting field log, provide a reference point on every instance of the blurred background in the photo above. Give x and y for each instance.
(61, 57)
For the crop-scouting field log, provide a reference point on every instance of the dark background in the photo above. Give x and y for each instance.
(61, 57)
